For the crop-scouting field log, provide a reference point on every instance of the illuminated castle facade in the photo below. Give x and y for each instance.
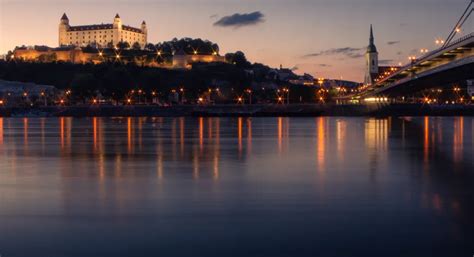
(101, 35)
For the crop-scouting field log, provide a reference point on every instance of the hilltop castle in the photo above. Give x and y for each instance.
(101, 35)
(96, 43)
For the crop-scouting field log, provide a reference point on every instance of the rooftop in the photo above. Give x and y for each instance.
(103, 26)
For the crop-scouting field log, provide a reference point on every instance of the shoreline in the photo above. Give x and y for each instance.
(269, 110)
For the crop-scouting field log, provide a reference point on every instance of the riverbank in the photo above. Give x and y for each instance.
(272, 110)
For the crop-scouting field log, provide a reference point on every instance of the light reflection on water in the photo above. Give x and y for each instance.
(236, 186)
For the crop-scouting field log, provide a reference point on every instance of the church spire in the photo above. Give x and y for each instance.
(371, 35)
(371, 48)
(372, 60)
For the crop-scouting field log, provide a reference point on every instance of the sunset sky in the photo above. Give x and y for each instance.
(325, 38)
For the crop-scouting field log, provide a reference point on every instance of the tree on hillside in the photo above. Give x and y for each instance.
(238, 59)
(136, 46)
(123, 45)
(84, 86)
(149, 80)
(189, 46)
(116, 84)
(150, 47)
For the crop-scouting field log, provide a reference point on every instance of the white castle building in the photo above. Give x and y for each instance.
(102, 35)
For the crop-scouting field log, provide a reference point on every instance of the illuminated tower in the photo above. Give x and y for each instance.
(145, 33)
(63, 29)
(117, 27)
(372, 60)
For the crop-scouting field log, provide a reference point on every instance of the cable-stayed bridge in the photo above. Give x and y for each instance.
(452, 63)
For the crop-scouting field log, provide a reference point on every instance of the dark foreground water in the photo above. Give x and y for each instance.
(236, 187)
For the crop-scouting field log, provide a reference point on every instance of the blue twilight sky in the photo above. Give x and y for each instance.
(322, 37)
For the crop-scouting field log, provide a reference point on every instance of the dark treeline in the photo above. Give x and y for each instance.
(115, 80)
(188, 45)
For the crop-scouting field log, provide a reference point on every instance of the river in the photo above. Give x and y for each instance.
(325, 186)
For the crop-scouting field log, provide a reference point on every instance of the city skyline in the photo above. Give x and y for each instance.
(306, 36)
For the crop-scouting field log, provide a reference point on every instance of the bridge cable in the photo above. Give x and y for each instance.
(453, 31)
(472, 10)
(460, 25)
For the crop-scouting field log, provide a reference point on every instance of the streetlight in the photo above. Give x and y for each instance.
(287, 91)
(250, 95)
(181, 90)
(44, 98)
(280, 99)
(139, 96)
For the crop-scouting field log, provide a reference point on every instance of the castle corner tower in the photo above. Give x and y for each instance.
(63, 29)
(144, 31)
(117, 26)
(372, 60)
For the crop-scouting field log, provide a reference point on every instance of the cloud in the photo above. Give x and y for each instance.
(295, 68)
(324, 65)
(238, 20)
(214, 16)
(349, 52)
(393, 42)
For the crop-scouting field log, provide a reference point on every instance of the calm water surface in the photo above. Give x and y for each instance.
(236, 187)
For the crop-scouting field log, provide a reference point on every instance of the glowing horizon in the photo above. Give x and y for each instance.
(322, 38)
